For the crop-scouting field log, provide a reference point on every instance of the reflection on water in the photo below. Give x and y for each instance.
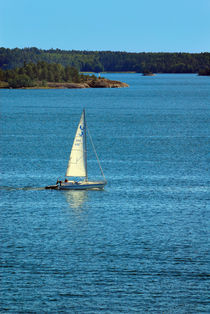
(75, 199)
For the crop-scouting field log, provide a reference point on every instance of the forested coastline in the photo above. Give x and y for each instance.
(107, 61)
(31, 75)
(52, 75)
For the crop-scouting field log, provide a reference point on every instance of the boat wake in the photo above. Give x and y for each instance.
(25, 188)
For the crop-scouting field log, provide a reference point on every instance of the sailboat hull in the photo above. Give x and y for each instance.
(82, 185)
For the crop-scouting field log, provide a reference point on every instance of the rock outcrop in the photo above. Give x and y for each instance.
(105, 83)
(94, 83)
(90, 83)
(67, 85)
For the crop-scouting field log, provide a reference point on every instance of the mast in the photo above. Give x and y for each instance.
(96, 155)
(86, 178)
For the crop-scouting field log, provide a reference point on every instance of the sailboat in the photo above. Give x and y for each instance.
(77, 164)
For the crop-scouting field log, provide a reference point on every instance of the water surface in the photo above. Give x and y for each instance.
(141, 245)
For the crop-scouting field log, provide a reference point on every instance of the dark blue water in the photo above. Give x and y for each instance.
(141, 245)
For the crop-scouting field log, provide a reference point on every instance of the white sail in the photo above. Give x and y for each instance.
(77, 161)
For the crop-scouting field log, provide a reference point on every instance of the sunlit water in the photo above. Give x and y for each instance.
(141, 245)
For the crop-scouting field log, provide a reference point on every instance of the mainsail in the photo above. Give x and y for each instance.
(77, 165)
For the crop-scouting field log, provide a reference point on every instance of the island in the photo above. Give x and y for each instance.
(147, 73)
(204, 72)
(51, 75)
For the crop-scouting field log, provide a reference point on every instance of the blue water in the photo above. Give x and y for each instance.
(139, 246)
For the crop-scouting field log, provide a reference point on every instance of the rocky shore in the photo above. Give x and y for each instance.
(92, 83)
(96, 83)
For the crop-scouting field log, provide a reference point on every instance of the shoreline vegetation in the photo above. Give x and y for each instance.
(36, 68)
(107, 61)
(204, 72)
(47, 76)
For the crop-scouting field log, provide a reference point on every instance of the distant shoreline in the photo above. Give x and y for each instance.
(107, 61)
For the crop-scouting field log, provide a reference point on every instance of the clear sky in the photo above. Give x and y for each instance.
(117, 25)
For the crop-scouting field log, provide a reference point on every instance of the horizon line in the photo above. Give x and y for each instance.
(124, 51)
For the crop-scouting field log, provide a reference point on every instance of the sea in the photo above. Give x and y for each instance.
(139, 246)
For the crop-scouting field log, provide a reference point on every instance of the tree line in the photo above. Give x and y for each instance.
(39, 74)
(100, 61)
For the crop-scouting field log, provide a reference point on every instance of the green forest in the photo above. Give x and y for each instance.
(32, 75)
(107, 61)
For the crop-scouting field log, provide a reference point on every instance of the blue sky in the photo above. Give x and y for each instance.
(117, 25)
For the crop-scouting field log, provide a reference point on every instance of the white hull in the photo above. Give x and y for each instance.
(82, 185)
